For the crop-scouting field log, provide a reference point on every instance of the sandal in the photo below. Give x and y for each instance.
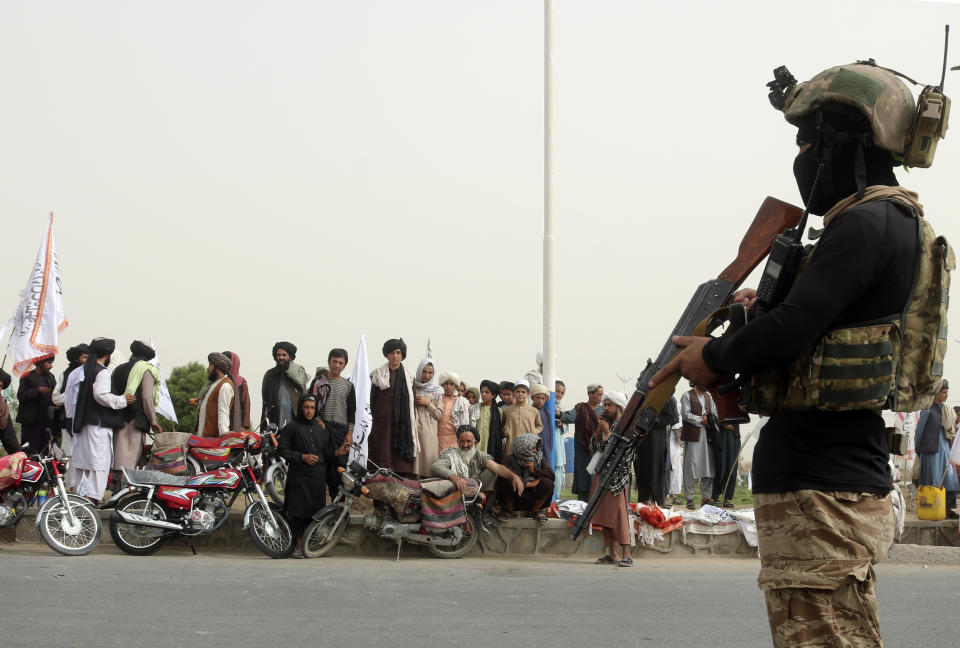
(626, 562)
(540, 517)
(606, 560)
(501, 516)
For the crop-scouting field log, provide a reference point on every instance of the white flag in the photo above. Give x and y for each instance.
(40, 316)
(165, 406)
(361, 385)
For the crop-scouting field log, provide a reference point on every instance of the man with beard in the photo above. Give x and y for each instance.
(283, 385)
(585, 417)
(95, 413)
(393, 442)
(35, 398)
(240, 414)
(216, 407)
(698, 450)
(611, 511)
(466, 461)
(821, 481)
(8, 436)
(650, 465)
(527, 461)
(140, 379)
(76, 357)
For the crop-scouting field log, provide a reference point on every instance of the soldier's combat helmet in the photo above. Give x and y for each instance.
(876, 93)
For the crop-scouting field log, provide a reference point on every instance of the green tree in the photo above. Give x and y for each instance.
(185, 383)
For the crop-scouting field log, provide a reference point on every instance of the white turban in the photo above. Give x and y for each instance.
(617, 398)
(523, 382)
(449, 376)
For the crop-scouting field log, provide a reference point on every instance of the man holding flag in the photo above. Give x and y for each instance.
(35, 396)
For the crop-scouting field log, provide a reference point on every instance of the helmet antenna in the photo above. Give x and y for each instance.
(946, 42)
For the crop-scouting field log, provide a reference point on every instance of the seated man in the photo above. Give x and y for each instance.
(527, 461)
(467, 462)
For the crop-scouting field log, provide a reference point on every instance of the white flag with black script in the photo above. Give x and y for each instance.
(361, 385)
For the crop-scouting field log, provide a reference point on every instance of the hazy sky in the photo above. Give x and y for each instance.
(228, 174)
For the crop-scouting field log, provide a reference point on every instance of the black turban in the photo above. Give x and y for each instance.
(506, 384)
(220, 361)
(492, 386)
(102, 347)
(392, 345)
(289, 347)
(74, 352)
(142, 350)
(5, 378)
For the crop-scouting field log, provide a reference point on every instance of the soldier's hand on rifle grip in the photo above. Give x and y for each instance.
(688, 361)
(745, 296)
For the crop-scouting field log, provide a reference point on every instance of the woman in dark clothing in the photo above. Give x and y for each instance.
(308, 448)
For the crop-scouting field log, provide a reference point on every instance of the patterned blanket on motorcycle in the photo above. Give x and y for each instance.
(401, 495)
(443, 506)
(169, 453)
(11, 467)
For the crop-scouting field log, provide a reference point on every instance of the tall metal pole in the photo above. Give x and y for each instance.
(549, 236)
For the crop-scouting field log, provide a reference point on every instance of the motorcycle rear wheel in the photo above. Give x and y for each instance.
(134, 539)
(471, 533)
(275, 482)
(75, 539)
(322, 535)
(276, 542)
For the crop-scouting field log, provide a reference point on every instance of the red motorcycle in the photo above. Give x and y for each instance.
(69, 524)
(156, 506)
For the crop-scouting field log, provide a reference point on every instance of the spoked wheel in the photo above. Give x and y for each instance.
(275, 540)
(135, 539)
(471, 532)
(275, 482)
(322, 535)
(74, 537)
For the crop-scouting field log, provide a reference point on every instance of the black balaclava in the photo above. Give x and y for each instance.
(842, 141)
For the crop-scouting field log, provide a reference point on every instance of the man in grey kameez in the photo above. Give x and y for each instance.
(697, 455)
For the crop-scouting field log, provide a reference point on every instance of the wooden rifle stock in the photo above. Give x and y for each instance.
(699, 318)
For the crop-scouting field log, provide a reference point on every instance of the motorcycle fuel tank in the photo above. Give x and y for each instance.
(177, 497)
(220, 478)
(31, 471)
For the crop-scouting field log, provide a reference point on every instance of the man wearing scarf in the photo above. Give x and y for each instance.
(585, 417)
(935, 432)
(35, 398)
(216, 407)
(526, 460)
(466, 461)
(283, 385)
(611, 511)
(488, 421)
(240, 413)
(393, 443)
(141, 380)
(8, 436)
(428, 403)
(95, 413)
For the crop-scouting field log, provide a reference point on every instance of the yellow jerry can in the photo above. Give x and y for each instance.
(931, 503)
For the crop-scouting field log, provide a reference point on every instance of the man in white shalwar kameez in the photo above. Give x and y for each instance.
(697, 456)
(93, 435)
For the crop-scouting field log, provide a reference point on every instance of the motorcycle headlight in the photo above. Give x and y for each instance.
(348, 481)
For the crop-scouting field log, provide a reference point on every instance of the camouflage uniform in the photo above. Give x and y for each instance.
(817, 549)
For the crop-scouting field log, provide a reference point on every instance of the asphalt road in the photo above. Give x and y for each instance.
(176, 599)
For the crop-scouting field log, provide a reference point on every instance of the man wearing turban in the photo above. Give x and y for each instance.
(34, 397)
(141, 380)
(611, 511)
(95, 414)
(283, 385)
(217, 404)
(393, 442)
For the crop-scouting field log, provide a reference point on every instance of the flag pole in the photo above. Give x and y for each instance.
(549, 234)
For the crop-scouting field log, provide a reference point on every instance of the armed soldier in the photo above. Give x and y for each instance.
(856, 331)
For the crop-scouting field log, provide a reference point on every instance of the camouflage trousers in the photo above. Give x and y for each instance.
(817, 551)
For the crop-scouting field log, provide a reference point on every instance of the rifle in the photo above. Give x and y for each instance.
(704, 313)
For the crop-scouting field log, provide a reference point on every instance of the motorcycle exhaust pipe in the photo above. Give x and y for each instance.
(133, 518)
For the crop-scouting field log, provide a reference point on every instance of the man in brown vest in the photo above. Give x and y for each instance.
(697, 455)
(217, 403)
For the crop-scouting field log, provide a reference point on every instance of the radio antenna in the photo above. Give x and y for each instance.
(946, 42)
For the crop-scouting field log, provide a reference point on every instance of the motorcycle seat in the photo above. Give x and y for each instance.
(155, 478)
(231, 439)
(203, 442)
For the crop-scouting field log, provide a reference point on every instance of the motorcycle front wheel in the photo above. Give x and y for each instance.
(135, 539)
(322, 535)
(74, 538)
(275, 481)
(275, 540)
(471, 533)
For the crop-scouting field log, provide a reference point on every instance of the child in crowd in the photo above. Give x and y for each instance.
(519, 418)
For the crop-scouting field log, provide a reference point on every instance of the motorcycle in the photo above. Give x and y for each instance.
(69, 524)
(156, 506)
(398, 514)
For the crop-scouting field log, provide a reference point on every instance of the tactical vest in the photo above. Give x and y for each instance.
(892, 363)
